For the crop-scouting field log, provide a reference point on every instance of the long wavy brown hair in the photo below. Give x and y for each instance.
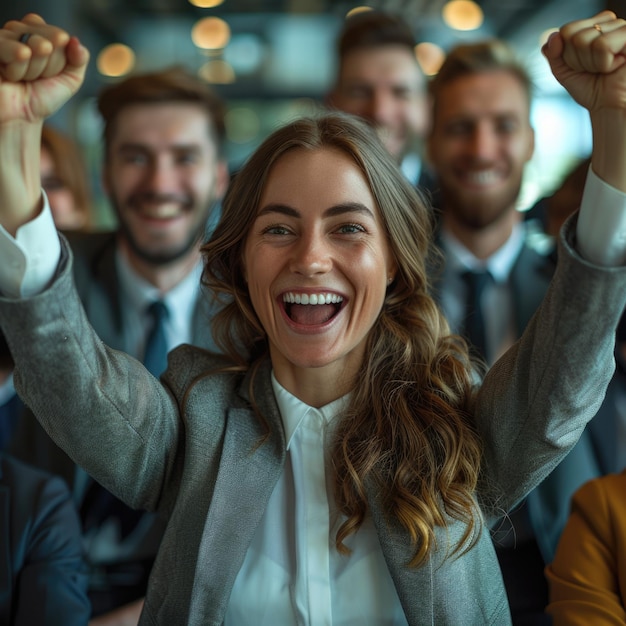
(407, 430)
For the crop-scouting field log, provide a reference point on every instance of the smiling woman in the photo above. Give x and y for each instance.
(330, 240)
(336, 463)
(363, 235)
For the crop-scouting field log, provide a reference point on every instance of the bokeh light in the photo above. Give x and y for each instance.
(116, 59)
(356, 10)
(462, 15)
(206, 4)
(430, 56)
(217, 72)
(210, 33)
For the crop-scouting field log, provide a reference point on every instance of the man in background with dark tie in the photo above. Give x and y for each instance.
(480, 143)
(492, 280)
(164, 174)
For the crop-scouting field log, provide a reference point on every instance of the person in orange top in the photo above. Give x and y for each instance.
(588, 575)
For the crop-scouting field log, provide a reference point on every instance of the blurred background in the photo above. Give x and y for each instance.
(275, 59)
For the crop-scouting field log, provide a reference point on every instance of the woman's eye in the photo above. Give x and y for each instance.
(349, 229)
(275, 230)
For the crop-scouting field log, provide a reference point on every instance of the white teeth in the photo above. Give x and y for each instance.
(163, 211)
(314, 298)
(483, 178)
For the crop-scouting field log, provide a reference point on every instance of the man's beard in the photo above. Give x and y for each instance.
(476, 215)
(169, 255)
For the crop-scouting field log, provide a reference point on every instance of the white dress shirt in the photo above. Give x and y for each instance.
(136, 295)
(497, 303)
(292, 573)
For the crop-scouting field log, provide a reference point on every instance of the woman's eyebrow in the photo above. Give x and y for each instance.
(348, 207)
(333, 211)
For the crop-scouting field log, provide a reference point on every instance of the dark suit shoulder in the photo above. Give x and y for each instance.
(94, 258)
(33, 485)
(541, 248)
(14, 471)
(538, 258)
(88, 245)
(42, 537)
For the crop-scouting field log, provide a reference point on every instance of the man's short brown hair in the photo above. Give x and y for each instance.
(372, 29)
(477, 58)
(170, 85)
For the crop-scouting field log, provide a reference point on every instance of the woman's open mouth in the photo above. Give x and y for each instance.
(311, 309)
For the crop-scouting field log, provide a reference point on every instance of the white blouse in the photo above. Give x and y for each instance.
(292, 572)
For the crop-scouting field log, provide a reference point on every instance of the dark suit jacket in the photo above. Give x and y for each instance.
(205, 472)
(43, 578)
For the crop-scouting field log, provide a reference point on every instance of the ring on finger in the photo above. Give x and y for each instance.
(24, 37)
(598, 28)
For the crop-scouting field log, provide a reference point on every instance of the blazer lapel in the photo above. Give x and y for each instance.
(413, 584)
(246, 478)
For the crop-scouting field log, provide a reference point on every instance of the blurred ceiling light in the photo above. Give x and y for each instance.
(206, 4)
(462, 15)
(356, 10)
(430, 56)
(217, 72)
(116, 59)
(210, 33)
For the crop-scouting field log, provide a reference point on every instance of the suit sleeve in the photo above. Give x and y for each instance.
(537, 399)
(586, 576)
(96, 403)
(52, 582)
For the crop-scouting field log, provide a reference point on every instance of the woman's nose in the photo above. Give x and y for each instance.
(311, 255)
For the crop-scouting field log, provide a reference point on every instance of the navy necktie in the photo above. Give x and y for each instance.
(474, 324)
(155, 355)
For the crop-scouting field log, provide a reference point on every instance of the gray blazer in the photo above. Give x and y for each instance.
(97, 283)
(548, 505)
(188, 447)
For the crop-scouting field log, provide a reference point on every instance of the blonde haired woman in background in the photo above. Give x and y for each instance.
(65, 180)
